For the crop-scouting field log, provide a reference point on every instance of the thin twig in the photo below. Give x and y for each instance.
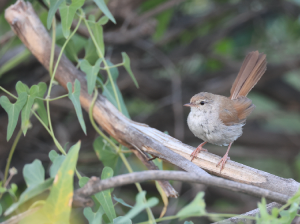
(95, 185)
(241, 218)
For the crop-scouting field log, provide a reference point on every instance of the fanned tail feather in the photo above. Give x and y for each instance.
(253, 67)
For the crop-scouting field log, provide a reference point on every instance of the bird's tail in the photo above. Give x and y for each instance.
(253, 67)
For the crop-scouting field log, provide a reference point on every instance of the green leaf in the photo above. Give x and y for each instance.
(158, 163)
(102, 6)
(90, 53)
(91, 73)
(30, 193)
(2, 190)
(21, 87)
(70, 51)
(93, 218)
(54, 4)
(41, 110)
(83, 181)
(290, 214)
(195, 208)
(103, 20)
(1, 210)
(108, 90)
(138, 207)
(25, 114)
(126, 61)
(105, 153)
(275, 212)
(62, 190)
(67, 13)
(57, 207)
(97, 31)
(13, 188)
(104, 197)
(13, 111)
(34, 173)
(295, 197)
(57, 162)
(124, 220)
(52, 155)
(121, 201)
(264, 215)
(164, 198)
(74, 97)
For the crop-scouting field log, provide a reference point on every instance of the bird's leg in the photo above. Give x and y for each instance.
(198, 149)
(225, 158)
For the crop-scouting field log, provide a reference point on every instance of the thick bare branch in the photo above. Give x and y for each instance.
(30, 30)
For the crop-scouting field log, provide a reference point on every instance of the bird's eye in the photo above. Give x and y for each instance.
(202, 103)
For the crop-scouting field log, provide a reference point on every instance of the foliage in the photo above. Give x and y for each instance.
(13, 111)
(57, 207)
(74, 97)
(101, 72)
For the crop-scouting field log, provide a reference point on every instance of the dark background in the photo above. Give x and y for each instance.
(176, 51)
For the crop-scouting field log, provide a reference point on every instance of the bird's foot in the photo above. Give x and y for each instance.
(223, 161)
(197, 150)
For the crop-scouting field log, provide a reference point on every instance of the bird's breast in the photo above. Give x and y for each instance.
(206, 125)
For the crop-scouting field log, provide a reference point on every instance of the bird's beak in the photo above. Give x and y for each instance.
(187, 105)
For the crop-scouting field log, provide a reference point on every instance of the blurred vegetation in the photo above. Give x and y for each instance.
(192, 46)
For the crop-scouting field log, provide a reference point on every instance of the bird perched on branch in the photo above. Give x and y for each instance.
(218, 119)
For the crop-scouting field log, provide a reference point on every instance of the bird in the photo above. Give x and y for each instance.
(219, 119)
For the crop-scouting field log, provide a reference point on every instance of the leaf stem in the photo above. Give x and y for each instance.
(114, 66)
(126, 151)
(52, 78)
(106, 67)
(52, 47)
(52, 75)
(56, 98)
(40, 120)
(94, 124)
(12, 150)
(8, 93)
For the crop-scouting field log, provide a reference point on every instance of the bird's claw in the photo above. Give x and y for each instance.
(196, 152)
(223, 161)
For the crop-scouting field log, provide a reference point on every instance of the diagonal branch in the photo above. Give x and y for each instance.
(33, 34)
